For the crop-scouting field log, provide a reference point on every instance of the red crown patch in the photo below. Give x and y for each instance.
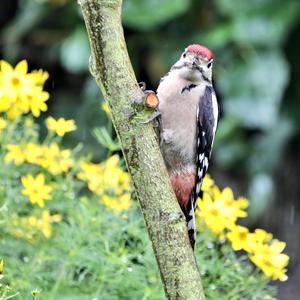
(200, 50)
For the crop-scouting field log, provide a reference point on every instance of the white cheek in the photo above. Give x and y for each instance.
(207, 72)
(197, 76)
(185, 73)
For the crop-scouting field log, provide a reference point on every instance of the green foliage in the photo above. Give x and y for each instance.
(93, 252)
(104, 139)
(93, 255)
(251, 70)
(145, 15)
(226, 276)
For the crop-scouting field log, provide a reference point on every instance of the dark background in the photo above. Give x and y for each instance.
(256, 73)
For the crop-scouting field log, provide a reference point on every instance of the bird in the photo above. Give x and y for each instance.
(188, 118)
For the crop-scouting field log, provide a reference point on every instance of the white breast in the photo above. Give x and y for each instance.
(178, 120)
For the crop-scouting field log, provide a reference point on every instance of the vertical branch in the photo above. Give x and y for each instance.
(110, 65)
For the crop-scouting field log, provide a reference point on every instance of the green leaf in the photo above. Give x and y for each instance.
(147, 14)
(254, 88)
(260, 22)
(103, 137)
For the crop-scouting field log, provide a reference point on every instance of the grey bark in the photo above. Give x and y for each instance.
(110, 65)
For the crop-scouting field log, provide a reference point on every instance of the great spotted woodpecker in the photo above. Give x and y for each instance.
(188, 121)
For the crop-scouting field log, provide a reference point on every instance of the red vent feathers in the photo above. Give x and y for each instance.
(200, 50)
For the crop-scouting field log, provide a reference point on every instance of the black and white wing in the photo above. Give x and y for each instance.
(207, 119)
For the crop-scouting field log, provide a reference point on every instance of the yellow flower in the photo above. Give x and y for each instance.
(124, 202)
(239, 237)
(36, 189)
(27, 227)
(271, 261)
(45, 223)
(35, 293)
(14, 112)
(50, 157)
(218, 209)
(117, 204)
(16, 154)
(56, 161)
(21, 92)
(37, 99)
(207, 184)
(5, 101)
(234, 208)
(258, 238)
(39, 77)
(242, 239)
(14, 86)
(28, 122)
(109, 182)
(1, 266)
(33, 153)
(106, 109)
(14, 80)
(211, 213)
(60, 126)
(2, 124)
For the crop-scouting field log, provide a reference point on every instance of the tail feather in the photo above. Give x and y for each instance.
(191, 221)
(190, 215)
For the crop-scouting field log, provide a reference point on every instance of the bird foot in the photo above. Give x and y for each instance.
(151, 117)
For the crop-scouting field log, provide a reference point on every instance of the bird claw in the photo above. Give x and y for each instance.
(142, 85)
(151, 117)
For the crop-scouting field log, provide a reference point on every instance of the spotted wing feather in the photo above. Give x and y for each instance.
(206, 127)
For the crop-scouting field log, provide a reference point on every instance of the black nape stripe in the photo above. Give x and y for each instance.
(188, 88)
(205, 78)
(202, 74)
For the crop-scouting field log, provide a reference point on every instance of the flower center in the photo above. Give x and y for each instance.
(243, 235)
(15, 81)
(214, 212)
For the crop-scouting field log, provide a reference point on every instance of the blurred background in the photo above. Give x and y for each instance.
(256, 75)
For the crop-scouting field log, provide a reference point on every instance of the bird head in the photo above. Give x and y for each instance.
(195, 63)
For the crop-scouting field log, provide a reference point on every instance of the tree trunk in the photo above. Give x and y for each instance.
(110, 65)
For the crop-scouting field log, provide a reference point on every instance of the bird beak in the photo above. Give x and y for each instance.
(195, 62)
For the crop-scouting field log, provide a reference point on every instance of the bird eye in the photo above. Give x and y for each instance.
(184, 55)
(209, 63)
